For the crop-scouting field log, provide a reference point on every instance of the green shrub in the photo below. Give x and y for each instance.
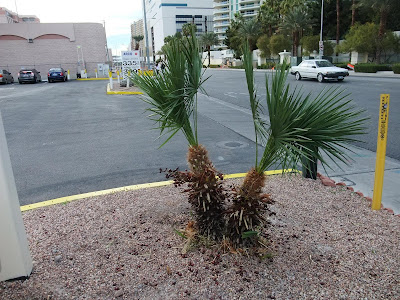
(214, 66)
(396, 68)
(268, 65)
(371, 68)
(236, 67)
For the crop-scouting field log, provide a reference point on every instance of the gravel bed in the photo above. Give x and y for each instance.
(326, 244)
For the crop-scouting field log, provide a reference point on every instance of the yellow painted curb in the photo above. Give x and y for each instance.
(85, 79)
(127, 188)
(94, 194)
(110, 92)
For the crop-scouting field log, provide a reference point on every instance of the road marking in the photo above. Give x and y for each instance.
(125, 189)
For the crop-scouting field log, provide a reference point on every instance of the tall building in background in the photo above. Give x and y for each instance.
(225, 10)
(137, 28)
(7, 16)
(166, 17)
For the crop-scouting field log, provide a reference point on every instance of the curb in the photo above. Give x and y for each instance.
(110, 92)
(126, 189)
(330, 182)
(352, 74)
(86, 79)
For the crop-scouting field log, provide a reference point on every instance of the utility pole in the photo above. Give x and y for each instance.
(321, 42)
(146, 34)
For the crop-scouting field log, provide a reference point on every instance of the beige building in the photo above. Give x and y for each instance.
(7, 16)
(72, 46)
(137, 28)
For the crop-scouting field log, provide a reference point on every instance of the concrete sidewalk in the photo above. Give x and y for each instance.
(359, 174)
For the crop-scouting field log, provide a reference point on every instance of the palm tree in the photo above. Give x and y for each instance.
(209, 39)
(172, 97)
(296, 21)
(137, 39)
(300, 128)
(383, 8)
(250, 31)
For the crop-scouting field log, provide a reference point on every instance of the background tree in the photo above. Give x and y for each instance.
(233, 39)
(268, 16)
(365, 39)
(188, 29)
(279, 43)
(311, 43)
(263, 45)
(207, 40)
(382, 7)
(137, 39)
(295, 22)
(249, 31)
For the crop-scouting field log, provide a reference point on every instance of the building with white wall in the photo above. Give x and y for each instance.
(166, 17)
(225, 10)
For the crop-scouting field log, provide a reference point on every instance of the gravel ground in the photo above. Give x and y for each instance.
(326, 244)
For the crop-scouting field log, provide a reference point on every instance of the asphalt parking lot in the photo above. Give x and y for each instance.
(70, 137)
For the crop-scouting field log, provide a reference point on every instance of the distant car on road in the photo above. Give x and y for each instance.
(319, 69)
(6, 77)
(57, 74)
(29, 75)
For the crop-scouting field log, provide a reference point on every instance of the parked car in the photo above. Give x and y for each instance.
(57, 74)
(320, 69)
(29, 75)
(6, 77)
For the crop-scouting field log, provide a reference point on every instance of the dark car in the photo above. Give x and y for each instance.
(6, 77)
(29, 75)
(57, 74)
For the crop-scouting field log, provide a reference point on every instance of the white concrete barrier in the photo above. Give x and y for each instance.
(15, 259)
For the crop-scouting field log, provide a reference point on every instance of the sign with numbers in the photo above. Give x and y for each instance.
(130, 62)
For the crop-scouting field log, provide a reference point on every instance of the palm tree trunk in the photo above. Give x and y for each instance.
(295, 42)
(209, 55)
(353, 13)
(337, 24)
(382, 29)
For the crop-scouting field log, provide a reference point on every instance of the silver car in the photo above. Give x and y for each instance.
(6, 77)
(320, 69)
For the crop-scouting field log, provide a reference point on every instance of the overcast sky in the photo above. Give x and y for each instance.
(118, 15)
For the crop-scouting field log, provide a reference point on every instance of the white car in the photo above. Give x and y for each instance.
(319, 69)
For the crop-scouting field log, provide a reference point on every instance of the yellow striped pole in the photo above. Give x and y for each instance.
(381, 151)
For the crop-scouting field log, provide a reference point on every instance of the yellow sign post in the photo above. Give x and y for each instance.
(381, 151)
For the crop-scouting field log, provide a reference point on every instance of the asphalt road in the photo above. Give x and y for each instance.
(230, 86)
(70, 138)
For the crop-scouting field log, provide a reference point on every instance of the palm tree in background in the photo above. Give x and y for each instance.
(250, 31)
(137, 39)
(207, 40)
(383, 8)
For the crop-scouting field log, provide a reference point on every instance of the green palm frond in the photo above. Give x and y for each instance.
(300, 124)
(172, 93)
(255, 105)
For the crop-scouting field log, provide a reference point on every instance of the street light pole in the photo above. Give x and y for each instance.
(146, 34)
(321, 42)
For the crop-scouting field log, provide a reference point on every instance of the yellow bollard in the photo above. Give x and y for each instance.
(381, 151)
